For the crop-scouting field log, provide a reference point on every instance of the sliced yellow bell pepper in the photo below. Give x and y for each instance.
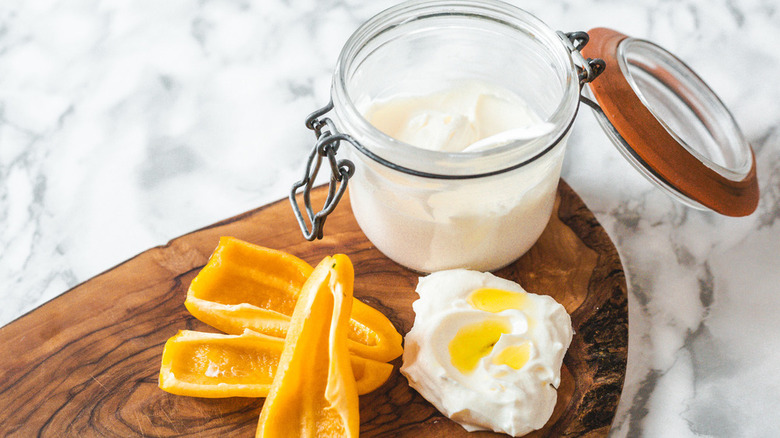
(215, 365)
(245, 286)
(313, 393)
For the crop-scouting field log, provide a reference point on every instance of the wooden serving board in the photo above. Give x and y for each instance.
(86, 363)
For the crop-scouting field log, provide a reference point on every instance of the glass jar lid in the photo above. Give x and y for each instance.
(671, 126)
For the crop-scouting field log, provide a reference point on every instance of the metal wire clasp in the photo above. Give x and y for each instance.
(587, 69)
(327, 145)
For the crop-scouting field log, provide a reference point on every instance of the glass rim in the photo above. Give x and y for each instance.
(691, 81)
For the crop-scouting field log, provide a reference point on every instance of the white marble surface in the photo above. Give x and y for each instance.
(124, 124)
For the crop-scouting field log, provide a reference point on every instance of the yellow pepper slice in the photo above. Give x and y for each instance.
(245, 286)
(313, 393)
(215, 365)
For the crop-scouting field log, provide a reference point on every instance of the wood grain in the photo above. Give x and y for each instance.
(86, 363)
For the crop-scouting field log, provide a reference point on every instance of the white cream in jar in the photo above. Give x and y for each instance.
(437, 225)
(454, 118)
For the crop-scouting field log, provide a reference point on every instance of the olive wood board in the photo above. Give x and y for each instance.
(86, 363)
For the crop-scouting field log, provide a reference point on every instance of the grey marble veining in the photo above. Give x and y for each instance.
(125, 124)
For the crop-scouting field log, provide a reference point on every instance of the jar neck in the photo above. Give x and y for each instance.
(508, 45)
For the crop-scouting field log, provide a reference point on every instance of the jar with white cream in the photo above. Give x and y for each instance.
(455, 115)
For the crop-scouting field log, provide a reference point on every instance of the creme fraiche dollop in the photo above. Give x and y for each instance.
(486, 353)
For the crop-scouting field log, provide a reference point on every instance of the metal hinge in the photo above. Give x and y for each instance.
(587, 69)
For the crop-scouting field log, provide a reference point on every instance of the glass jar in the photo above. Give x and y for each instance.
(433, 210)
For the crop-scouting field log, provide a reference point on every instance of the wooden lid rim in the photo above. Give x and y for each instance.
(656, 148)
